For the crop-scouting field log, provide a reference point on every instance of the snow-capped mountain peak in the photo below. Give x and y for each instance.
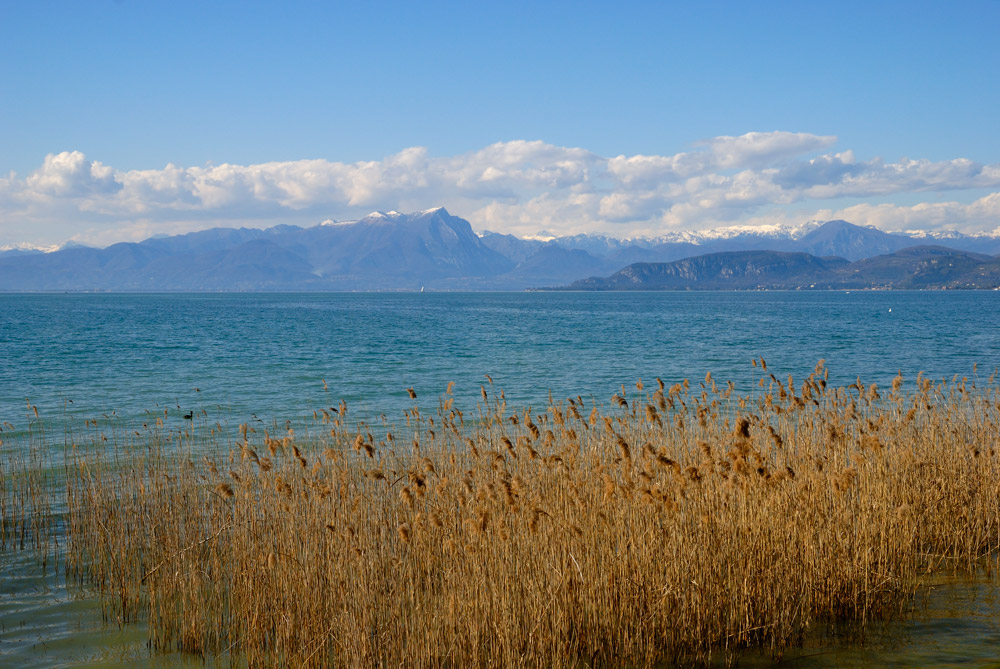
(25, 247)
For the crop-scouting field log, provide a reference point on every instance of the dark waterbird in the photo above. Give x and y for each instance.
(189, 415)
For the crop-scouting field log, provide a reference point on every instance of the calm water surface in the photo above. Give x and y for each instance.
(234, 356)
(270, 354)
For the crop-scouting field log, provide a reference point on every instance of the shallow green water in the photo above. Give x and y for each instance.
(45, 624)
(955, 623)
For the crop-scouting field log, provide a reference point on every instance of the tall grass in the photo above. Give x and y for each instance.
(27, 483)
(680, 524)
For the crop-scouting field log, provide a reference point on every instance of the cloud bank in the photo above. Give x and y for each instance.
(517, 186)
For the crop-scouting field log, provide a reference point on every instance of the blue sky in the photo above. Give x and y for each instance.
(511, 115)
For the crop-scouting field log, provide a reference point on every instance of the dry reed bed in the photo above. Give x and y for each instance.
(27, 484)
(680, 524)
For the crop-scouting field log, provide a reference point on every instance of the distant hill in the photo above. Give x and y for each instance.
(398, 250)
(846, 240)
(732, 270)
(514, 248)
(383, 251)
(927, 267)
(552, 265)
(921, 267)
(433, 249)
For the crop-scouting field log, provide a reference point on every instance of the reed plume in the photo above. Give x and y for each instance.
(680, 524)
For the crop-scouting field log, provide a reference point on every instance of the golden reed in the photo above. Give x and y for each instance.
(678, 525)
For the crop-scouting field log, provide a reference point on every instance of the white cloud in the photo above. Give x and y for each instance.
(832, 177)
(68, 174)
(981, 215)
(517, 186)
(757, 149)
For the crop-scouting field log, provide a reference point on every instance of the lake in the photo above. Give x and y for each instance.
(270, 354)
(278, 357)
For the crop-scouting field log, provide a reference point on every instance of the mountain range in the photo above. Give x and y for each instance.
(915, 267)
(433, 249)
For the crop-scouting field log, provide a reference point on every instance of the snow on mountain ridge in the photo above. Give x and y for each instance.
(600, 244)
(775, 230)
(949, 234)
(377, 215)
(27, 247)
(698, 237)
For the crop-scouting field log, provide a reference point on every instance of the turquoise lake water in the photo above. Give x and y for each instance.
(238, 356)
(270, 354)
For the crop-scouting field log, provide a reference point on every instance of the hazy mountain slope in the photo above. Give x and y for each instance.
(911, 268)
(830, 238)
(659, 253)
(925, 267)
(258, 264)
(419, 247)
(214, 239)
(75, 268)
(11, 252)
(382, 251)
(728, 270)
(433, 249)
(513, 248)
(552, 265)
(850, 241)
(980, 243)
